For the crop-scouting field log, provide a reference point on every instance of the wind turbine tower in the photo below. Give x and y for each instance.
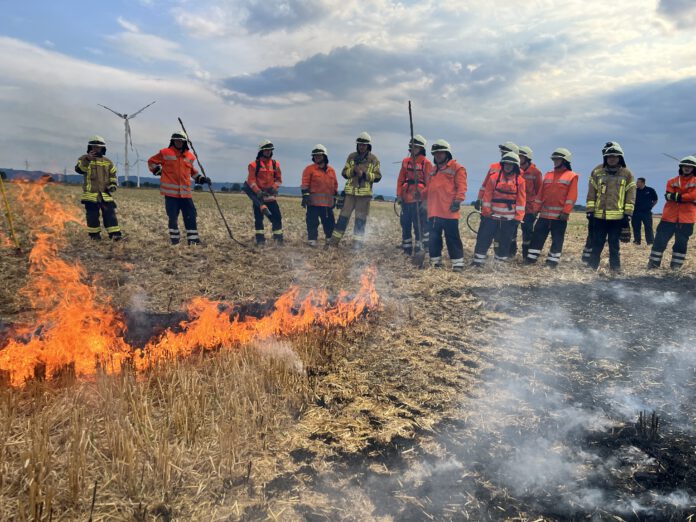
(128, 139)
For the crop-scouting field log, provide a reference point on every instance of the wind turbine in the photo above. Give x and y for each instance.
(128, 138)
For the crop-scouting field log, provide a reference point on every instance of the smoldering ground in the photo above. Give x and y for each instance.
(552, 431)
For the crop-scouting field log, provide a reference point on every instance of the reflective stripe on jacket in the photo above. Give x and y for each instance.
(265, 174)
(685, 210)
(177, 171)
(446, 185)
(532, 183)
(360, 184)
(558, 194)
(493, 169)
(504, 197)
(407, 182)
(611, 195)
(99, 174)
(321, 184)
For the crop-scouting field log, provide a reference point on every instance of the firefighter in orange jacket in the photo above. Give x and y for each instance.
(532, 182)
(265, 179)
(446, 191)
(678, 216)
(494, 168)
(319, 191)
(175, 167)
(502, 209)
(411, 192)
(553, 204)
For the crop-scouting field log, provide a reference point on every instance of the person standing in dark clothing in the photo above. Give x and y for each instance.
(646, 199)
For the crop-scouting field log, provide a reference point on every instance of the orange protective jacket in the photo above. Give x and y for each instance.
(504, 197)
(177, 171)
(406, 184)
(321, 184)
(446, 185)
(685, 210)
(532, 181)
(558, 194)
(264, 174)
(493, 169)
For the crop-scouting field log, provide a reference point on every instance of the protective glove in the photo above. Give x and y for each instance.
(564, 216)
(477, 205)
(340, 200)
(271, 191)
(158, 170)
(454, 207)
(111, 188)
(589, 215)
(625, 236)
(673, 196)
(305, 200)
(625, 221)
(201, 179)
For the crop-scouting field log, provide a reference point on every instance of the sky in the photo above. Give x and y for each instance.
(542, 73)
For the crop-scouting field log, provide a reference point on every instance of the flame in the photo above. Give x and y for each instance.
(76, 325)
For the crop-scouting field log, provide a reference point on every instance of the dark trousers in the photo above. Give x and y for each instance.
(409, 222)
(276, 222)
(455, 249)
(543, 227)
(184, 205)
(108, 215)
(316, 214)
(527, 227)
(645, 219)
(665, 230)
(606, 230)
(499, 230)
(587, 251)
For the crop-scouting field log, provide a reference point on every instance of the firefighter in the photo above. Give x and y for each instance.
(265, 179)
(446, 190)
(97, 189)
(553, 204)
(502, 209)
(360, 171)
(646, 199)
(175, 167)
(411, 193)
(494, 168)
(678, 216)
(319, 190)
(532, 182)
(587, 250)
(610, 199)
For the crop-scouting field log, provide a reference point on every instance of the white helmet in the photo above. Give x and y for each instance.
(562, 153)
(365, 138)
(509, 146)
(526, 152)
(610, 144)
(689, 161)
(612, 149)
(266, 145)
(440, 146)
(419, 141)
(97, 141)
(319, 149)
(510, 157)
(179, 135)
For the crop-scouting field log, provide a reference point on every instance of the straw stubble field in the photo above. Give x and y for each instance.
(351, 423)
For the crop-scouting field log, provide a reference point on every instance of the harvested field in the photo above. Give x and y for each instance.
(508, 393)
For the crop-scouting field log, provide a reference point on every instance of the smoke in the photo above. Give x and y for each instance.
(280, 352)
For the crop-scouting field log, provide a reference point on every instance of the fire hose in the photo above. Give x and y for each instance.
(210, 186)
(8, 214)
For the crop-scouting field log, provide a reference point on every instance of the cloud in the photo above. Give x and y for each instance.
(681, 12)
(128, 26)
(271, 15)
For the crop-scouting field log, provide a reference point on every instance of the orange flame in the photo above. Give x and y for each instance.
(78, 327)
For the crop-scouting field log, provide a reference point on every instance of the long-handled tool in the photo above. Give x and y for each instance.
(418, 257)
(8, 214)
(257, 201)
(210, 187)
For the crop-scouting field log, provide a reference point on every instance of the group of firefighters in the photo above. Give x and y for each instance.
(513, 193)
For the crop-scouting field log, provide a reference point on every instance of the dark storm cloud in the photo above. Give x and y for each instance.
(347, 70)
(681, 12)
(272, 15)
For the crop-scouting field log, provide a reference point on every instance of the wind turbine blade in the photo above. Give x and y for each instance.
(128, 132)
(116, 113)
(141, 110)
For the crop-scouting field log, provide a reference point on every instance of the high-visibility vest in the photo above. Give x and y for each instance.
(99, 173)
(321, 184)
(558, 194)
(177, 171)
(685, 210)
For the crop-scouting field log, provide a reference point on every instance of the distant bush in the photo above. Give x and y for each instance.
(224, 189)
(236, 187)
(148, 184)
(3, 175)
(198, 188)
(379, 198)
(129, 184)
(580, 208)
